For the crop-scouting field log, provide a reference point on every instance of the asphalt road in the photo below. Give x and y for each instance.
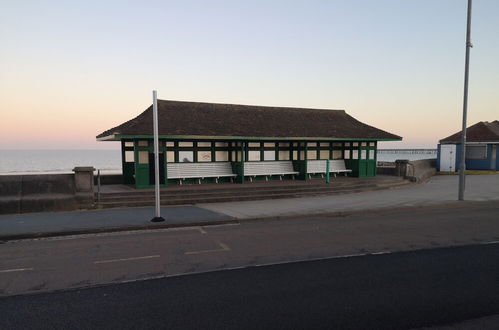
(44, 265)
(401, 290)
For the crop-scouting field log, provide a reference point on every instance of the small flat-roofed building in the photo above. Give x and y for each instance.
(482, 152)
(209, 142)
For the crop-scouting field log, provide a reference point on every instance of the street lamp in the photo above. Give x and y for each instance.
(157, 216)
(462, 167)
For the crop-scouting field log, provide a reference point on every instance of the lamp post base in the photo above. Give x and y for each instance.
(157, 219)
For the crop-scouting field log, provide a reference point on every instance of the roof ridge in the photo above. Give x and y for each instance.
(251, 105)
(482, 130)
(493, 127)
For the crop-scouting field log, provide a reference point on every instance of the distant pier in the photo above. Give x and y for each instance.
(408, 151)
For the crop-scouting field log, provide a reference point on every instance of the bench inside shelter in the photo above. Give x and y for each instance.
(199, 171)
(335, 166)
(269, 168)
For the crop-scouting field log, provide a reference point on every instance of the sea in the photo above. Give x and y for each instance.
(109, 161)
(58, 161)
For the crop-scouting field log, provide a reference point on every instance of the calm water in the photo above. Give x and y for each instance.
(48, 161)
(108, 161)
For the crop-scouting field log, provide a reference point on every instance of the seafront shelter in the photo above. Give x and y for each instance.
(210, 142)
(482, 148)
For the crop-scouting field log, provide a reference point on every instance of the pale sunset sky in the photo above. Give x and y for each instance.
(71, 69)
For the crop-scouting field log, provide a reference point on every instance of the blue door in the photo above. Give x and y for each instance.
(493, 158)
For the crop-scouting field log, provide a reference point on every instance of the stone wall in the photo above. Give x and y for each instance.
(416, 170)
(44, 192)
(37, 193)
(109, 179)
(386, 169)
(421, 170)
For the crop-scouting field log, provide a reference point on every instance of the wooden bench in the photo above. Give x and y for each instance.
(319, 166)
(280, 168)
(338, 166)
(199, 171)
(316, 166)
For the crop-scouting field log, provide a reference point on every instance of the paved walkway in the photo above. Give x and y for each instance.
(440, 189)
(42, 224)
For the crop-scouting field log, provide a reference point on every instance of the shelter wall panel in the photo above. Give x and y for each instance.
(301, 167)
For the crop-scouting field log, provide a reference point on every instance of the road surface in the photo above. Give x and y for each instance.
(30, 266)
(402, 269)
(401, 290)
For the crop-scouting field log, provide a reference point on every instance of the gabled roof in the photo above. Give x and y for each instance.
(195, 119)
(483, 131)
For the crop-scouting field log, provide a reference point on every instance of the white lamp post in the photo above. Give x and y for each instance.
(462, 167)
(157, 216)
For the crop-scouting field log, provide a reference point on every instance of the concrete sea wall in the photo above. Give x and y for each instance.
(414, 170)
(109, 179)
(421, 170)
(46, 192)
(37, 193)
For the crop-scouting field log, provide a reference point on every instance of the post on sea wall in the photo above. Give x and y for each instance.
(84, 184)
(401, 167)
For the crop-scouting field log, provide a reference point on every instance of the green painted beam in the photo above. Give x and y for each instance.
(247, 138)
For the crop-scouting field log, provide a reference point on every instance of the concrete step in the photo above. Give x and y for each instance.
(233, 198)
(240, 193)
(287, 184)
(245, 188)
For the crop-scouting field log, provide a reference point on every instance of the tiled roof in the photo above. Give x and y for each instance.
(480, 132)
(231, 120)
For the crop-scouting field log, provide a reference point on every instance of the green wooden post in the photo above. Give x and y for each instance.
(305, 160)
(242, 161)
(165, 153)
(327, 171)
(123, 167)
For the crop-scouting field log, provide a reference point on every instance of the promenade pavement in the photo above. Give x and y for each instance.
(440, 189)
(437, 191)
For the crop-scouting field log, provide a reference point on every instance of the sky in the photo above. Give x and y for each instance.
(70, 70)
